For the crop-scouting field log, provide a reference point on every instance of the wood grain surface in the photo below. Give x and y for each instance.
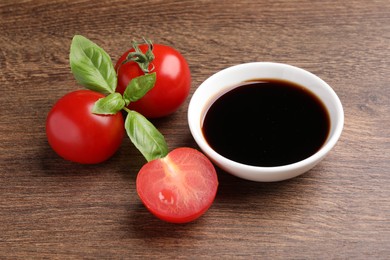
(52, 208)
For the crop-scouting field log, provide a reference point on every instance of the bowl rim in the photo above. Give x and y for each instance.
(196, 114)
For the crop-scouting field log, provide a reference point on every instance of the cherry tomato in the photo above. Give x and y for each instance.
(178, 188)
(172, 84)
(78, 135)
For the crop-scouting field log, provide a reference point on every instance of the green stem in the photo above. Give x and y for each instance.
(142, 59)
(126, 109)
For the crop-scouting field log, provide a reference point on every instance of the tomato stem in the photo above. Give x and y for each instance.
(142, 59)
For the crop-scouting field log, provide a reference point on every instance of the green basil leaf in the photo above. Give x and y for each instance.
(109, 105)
(92, 66)
(145, 136)
(138, 87)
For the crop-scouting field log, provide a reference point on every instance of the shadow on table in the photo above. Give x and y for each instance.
(236, 200)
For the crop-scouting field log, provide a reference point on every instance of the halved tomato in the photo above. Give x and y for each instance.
(178, 188)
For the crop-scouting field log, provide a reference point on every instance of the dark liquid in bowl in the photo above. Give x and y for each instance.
(267, 123)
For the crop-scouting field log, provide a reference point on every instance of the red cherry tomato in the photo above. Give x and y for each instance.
(77, 135)
(178, 188)
(173, 81)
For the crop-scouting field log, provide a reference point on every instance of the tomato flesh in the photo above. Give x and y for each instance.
(78, 135)
(173, 81)
(178, 188)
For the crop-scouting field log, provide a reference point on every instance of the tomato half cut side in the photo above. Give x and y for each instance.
(178, 188)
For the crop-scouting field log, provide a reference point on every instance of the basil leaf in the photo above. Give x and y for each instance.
(109, 105)
(146, 138)
(138, 87)
(92, 66)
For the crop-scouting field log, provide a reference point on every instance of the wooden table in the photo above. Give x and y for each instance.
(52, 208)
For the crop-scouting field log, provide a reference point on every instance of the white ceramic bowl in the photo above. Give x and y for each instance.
(227, 79)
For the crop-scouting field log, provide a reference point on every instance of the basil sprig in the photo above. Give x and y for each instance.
(109, 105)
(148, 140)
(138, 87)
(92, 67)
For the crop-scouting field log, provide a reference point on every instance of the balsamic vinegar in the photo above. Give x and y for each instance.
(267, 123)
